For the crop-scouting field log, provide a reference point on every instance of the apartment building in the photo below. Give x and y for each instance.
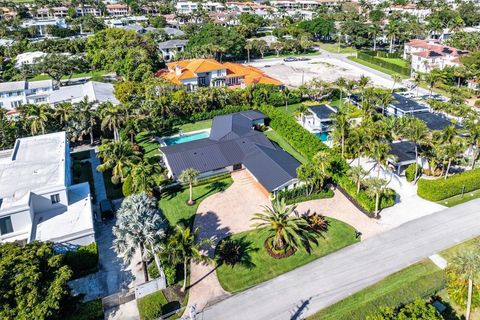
(187, 7)
(196, 73)
(37, 199)
(426, 55)
(16, 93)
(304, 4)
(41, 25)
(117, 10)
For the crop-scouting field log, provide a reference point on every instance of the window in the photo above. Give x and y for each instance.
(55, 198)
(5, 225)
(16, 104)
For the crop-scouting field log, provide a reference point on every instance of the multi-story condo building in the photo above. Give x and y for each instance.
(426, 55)
(37, 199)
(117, 10)
(14, 94)
(187, 7)
(196, 73)
(304, 4)
(41, 25)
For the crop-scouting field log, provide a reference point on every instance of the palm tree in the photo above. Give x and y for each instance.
(286, 96)
(112, 117)
(434, 78)
(63, 112)
(182, 246)
(139, 225)
(248, 47)
(36, 116)
(300, 113)
(392, 30)
(118, 156)
(144, 177)
(379, 151)
(85, 115)
(396, 79)
(375, 188)
(451, 152)
(357, 173)
(466, 265)
(416, 131)
(472, 125)
(341, 128)
(287, 230)
(310, 174)
(322, 159)
(189, 176)
(341, 84)
(384, 99)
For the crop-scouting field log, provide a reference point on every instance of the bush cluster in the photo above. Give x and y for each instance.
(83, 261)
(367, 56)
(439, 189)
(410, 172)
(169, 270)
(366, 202)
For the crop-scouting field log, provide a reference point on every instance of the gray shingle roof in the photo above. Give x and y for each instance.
(172, 44)
(403, 150)
(434, 121)
(233, 141)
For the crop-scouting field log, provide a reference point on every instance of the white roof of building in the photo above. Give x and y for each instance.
(30, 55)
(22, 85)
(36, 164)
(93, 90)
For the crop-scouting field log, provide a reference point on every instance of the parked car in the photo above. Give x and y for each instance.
(106, 209)
(290, 59)
(303, 59)
(267, 66)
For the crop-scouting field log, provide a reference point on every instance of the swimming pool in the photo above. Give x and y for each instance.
(186, 138)
(322, 136)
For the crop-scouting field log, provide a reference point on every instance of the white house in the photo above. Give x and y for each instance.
(41, 25)
(37, 199)
(13, 94)
(187, 7)
(28, 58)
(426, 55)
(170, 48)
(117, 10)
(319, 118)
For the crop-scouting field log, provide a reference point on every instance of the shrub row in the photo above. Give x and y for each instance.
(365, 201)
(83, 261)
(410, 172)
(439, 189)
(384, 64)
(298, 137)
(299, 195)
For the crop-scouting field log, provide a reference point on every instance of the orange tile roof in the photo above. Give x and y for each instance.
(189, 68)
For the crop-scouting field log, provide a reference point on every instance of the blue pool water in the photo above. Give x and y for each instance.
(186, 138)
(322, 136)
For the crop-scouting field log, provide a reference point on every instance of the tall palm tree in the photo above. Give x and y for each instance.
(144, 177)
(341, 84)
(36, 117)
(375, 188)
(183, 246)
(472, 125)
(392, 30)
(434, 78)
(248, 47)
(466, 265)
(300, 113)
(285, 228)
(63, 112)
(322, 159)
(451, 152)
(416, 131)
(118, 156)
(139, 226)
(112, 117)
(357, 173)
(85, 115)
(384, 99)
(379, 151)
(341, 126)
(396, 79)
(189, 176)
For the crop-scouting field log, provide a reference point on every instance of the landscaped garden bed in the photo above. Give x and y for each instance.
(258, 266)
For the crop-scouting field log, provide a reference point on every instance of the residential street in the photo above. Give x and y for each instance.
(310, 288)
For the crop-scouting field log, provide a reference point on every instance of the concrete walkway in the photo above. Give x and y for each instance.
(100, 191)
(305, 290)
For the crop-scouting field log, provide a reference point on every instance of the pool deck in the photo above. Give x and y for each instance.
(162, 142)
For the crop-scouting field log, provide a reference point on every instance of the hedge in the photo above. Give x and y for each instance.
(83, 261)
(366, 56)
(410, 172)
(439, 189)
(91, 310)
(298, 137)
(366, 202)
(298, 195)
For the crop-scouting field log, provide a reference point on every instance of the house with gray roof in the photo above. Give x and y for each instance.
(234, 144)
(170, 48)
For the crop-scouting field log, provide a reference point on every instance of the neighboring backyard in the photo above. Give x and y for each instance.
(258, 266)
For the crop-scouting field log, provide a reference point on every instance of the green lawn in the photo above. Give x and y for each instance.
(148, 145)
(274, 136)
(291, 108)
(173, 202)
(375, 67)
(458, 199)
(333, 48)
(194, 126)
(74, 76)
(263, 267)
(398, 61)
(419, 280)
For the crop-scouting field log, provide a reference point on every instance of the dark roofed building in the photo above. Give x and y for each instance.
(234, 144)
(323, 112)
(403, 105)
(404, 152)
(434, 121)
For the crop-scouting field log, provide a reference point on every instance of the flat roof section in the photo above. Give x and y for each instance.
(404, 151)
(323, 111)
(407, 105)
(434, 121)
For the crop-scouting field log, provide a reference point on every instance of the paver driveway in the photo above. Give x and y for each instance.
(219, 215)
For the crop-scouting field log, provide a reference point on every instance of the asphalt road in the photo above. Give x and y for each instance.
(305, 290)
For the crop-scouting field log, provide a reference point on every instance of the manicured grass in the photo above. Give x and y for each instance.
(173, 202)
(148, 145)
(263, 267)
(274, 136)
(150, 307)
(398, 61)
(419, 280)
(333, 48)
(194, 126)
(76, 75)
(291, 108)
(375, 67)
(458, 199)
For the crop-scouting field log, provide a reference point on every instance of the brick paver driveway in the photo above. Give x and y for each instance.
(218, 216)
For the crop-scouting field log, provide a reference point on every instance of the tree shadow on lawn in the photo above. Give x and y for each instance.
(246, 250)
(214, 187)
